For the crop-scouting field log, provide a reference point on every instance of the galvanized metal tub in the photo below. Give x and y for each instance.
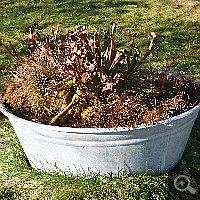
(116, 150)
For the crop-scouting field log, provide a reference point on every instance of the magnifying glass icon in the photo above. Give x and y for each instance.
(182, 184)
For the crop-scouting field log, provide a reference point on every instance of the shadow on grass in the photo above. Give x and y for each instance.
(18, 16)
(2, 117)
(8, 193)
(189, 165)
(177, 46)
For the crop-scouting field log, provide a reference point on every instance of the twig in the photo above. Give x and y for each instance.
(64, 110)
(8, 51)
(63, 102)
(14, 51)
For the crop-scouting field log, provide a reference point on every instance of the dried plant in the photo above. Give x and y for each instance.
(74, 80)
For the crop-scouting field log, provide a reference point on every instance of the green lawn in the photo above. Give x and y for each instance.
(177, 26)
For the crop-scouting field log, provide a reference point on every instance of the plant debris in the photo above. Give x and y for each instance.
(77, 81)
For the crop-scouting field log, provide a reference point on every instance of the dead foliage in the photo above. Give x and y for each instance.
(74, 80)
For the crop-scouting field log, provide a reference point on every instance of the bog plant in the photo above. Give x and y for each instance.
(74, 80)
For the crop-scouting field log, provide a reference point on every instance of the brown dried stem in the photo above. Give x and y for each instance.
(64, 110)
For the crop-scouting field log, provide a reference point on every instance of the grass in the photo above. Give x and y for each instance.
(176, 24)
(18, 180)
